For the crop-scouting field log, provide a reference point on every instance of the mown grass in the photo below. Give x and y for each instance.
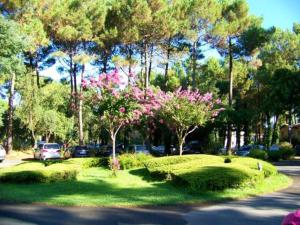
(97, 187)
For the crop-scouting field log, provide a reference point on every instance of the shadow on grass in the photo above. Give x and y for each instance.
(143, 173)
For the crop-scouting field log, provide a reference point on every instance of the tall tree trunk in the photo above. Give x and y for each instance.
(150, 63)
(75, 85)
(194, 63)
(275, 130)
(71, 77)
(230, 74)
(142, 64)
(105, 61)
(37, 73)
(238, 136)
(80, 120)
(290, 126)
(146, 66)
(246, 134)
(10, 114)
(167, 63)
(267, 133)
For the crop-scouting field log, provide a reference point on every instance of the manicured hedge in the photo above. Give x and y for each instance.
(215, 178)
(173, 160)
(258, 154)
(267, 168)
(95, 162)
(38, 173)
(206, 172)
(129, 161)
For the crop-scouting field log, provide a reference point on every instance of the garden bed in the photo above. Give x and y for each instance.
(95, 186)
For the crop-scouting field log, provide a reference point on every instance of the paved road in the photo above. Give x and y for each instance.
(10, 162)
(264, 210)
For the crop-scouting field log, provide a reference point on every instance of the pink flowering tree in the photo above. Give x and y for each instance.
(184, 111)
(118, 105)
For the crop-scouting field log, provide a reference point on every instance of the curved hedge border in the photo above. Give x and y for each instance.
(209, 173)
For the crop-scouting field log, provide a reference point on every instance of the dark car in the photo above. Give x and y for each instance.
(106, 150)
(244, 150)
(193, 147)
(77, 151)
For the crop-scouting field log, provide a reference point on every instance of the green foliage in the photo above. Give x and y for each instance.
(215, 178)
(155, 163)
(286, 150)
(274, 155)
(258, 154)
(206, 172)
(227, 160)
(38, 173)
(129, 161)
(95, 162)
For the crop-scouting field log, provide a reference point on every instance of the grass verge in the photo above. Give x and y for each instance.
(96, 187)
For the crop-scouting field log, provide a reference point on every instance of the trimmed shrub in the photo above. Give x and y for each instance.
(43, 175)
(285, 144)
(210, 173)
(95, 162)
(227, 160)
(258, 154)
(129, 161)
(268, 168)
(274, 156)
(213, 178)
(155, 163)
(286, 150)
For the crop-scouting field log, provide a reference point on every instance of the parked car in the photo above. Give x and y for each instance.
(139, 149)
(77, 151)
(274, 147)
(244, 150)
(2, 153)
(192, 147)
(46, 151)
(159, 150)
(106, 150)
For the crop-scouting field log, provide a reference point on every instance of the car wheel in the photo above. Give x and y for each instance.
(1, 160)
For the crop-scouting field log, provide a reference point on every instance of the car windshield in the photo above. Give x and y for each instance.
(1, 148)
(51, 146)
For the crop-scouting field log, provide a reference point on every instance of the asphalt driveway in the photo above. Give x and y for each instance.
(263, 210)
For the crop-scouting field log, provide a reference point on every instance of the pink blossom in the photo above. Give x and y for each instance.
(218, 101)
(122, 110)
(161, 121)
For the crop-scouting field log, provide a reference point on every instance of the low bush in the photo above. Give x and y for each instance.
(268, 168)
(171, 160)
(129, 161)
(286, 150)
(285, 144)
(227, 160)
(274, 156)
(258, 154)
(206, 172)
(213, 178)
(95, 162)
(33, 173)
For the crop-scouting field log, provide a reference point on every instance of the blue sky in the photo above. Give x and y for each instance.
(279, 13)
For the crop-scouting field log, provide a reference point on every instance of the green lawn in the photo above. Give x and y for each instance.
(96, 187)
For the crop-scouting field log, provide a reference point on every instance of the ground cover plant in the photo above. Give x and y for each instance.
(205, 179)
